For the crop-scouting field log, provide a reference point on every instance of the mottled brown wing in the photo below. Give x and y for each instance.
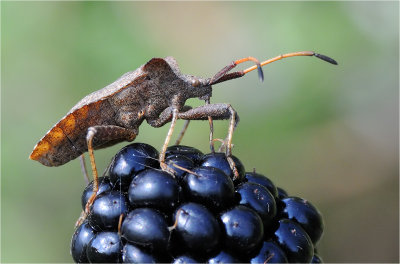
(66, 140)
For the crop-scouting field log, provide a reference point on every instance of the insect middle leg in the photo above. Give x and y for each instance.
(168, 115)
(182, 133)
(205, 112)
(185, 126)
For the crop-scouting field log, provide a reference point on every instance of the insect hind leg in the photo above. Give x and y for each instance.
(83, 168)
(97, 137)
(169, 114)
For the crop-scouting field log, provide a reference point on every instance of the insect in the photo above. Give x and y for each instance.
(155, 92)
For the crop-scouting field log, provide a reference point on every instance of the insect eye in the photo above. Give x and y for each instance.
(195, 82)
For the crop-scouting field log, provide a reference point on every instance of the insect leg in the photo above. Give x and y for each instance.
(185, 126)
(211, 123)
(163, 165)
(166, 117)
(98, 137)
(83, 168)
(182, 133)
(218, 112)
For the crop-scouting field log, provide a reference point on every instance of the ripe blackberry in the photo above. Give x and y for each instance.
(282, 193)
(176, 162)
(304, 213)
(258, 198)
(154, 188)
(209, 186)
(316, 259)
(292, 238)
(223, 257)
(104, 186)
(184, 259)
(197, 214)
(195, 228)
(134, 254)
(270, 252)
(129, 161)
(262, 180)
(146, 227)
(192, 153)
(81, 238)
(243, 229)
(219, 161)
(104, 247)
(106, 210)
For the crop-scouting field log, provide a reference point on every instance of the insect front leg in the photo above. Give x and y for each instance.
(217, 112)
(97, 137)
(166, 117)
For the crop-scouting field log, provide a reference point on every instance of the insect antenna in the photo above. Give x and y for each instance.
(325, 58)
(224, 75)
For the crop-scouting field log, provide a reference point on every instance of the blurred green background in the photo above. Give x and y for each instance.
(322, 132)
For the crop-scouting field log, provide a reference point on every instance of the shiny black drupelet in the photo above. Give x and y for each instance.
(197, 214)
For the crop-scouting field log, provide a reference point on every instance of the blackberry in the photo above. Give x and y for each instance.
(104, 186)
(223, 257)
(282, 193)
(184, 259)
(134, 254)
(270, 252)
(176, 162)
(243, 229)
(191, 153)
(292, 238)
(196, 229)
(219, 161)
(258, 198)
(81, 238)
(209, 186)
(316, 259)
(129, 161)
(106, 210)
(262, 180)
(154, 188)
(104, 247)
(198, 214)
(304, 213)
(146, 227)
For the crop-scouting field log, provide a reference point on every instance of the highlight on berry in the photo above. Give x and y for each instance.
(198, 214)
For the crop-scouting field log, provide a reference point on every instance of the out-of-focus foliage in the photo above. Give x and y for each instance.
(326, 133)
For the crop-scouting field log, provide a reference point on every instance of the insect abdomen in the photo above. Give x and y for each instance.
(67, 139)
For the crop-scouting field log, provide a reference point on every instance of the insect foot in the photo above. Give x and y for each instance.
(202, 213)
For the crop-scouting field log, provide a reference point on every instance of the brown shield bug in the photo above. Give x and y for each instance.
(155, 92)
